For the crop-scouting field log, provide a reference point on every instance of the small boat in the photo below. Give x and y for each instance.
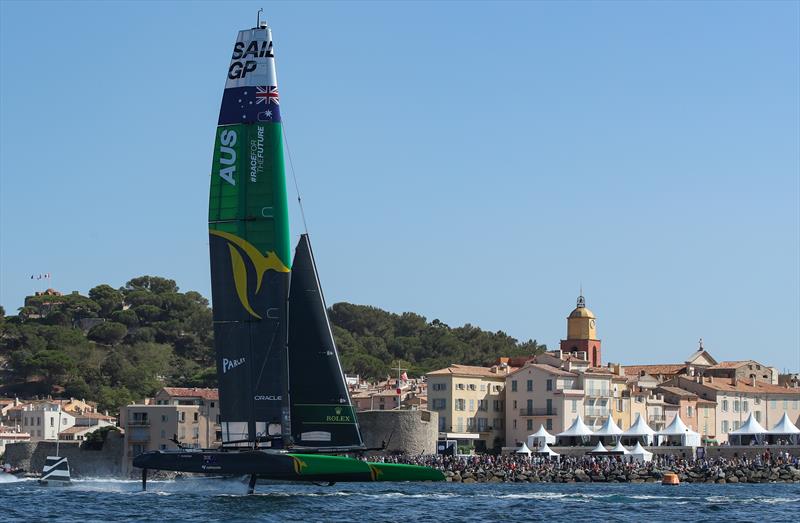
(55, 472)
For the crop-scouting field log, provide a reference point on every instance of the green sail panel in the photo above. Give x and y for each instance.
(249, 246)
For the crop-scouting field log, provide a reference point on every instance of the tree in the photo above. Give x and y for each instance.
(154, 284)
(108, 333)
(108, 298)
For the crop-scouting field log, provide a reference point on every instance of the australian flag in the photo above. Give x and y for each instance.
(250, 105)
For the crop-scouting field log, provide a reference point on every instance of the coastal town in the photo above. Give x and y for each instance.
(518, 418)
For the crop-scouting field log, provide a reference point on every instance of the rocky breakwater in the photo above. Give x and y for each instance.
(717, 474)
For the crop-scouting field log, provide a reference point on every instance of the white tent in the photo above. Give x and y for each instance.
(547, 450)
(609, 430)
(539, 438)
(747, 432)
(578, 429)
(524, 450)
(640, 431)
(677, 430)
(638, 453)
(785, 429)
(620, 448)
(599, 449)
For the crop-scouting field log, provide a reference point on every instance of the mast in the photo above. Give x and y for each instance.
(249, 246)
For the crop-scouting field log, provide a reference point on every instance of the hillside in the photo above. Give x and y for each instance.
(119, 345)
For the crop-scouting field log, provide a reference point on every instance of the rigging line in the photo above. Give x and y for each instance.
(294, 177)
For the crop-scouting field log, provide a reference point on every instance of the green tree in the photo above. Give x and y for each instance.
(108, 333)
(108, 298)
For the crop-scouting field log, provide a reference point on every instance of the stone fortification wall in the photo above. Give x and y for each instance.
(405, 431)
(82, 463)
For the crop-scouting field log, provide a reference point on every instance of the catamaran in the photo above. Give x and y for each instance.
(285, 409)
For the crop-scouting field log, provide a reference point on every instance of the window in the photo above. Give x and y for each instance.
(529, 424)
(725, 426)
(483, 387)
(163, 434)
(439, 404)
(514, 422)
(529, 386)
(483, 405)
(724, 409)
(736, 425)
(549, 385)
(52, 422)
(574, 406)
(773, 404)
(549, 406)
(736, 406)
(620, 405)
(440, 386)
(515, 404)
(548, 424)
(64, 421)
(39, 433)
(483, 424)
(757, 415)
(164, 417)
(212, 404)
(471, 405)
(785, 404)
(497, 424)
(513, 385)
(183, 417)
(496, 405)
(442, 423)
(745, 406)
(529, 407)
(461, 404)
(459, 386)
(196, 416)
(38, 421)
(689, 411)
(472, 386)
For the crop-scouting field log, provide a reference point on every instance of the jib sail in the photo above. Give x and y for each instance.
(322, 414)
(249, 244)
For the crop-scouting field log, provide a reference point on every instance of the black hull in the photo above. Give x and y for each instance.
(264, 464)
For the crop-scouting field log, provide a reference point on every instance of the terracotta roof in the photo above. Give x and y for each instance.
(78, 429)
(192, 392)
(733, 364)
(468, 371)
(92, 415)
(677, 391)
(547, 368)
(598, 370)
(662, 369)
(724, 384)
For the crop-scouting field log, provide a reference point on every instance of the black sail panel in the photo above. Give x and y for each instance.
(321, 412)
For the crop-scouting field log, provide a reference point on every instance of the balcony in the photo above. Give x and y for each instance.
(538, 412)
(655, 418)
(600, 412)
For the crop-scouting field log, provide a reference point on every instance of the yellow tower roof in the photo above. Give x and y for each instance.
(581, 311)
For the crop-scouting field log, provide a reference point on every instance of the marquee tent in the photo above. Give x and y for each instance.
(639, 431)
(539, 438)
(784, 430)
(678, 432)
(638, 453)
(547, 450)
(599, 449)
(577, 432)
(620, 448)
(744, 435)
(524, 450)
(609, 432)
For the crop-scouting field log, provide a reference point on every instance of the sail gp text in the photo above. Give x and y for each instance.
(241, 65)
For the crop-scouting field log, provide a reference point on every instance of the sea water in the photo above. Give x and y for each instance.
(226, 500)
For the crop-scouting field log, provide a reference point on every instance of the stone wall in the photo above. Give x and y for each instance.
(405, 431)
(82, 463)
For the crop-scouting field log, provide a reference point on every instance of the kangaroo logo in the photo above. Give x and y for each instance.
(261, 263)
(299, 465)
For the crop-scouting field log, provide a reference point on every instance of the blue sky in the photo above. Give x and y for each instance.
(473, 162)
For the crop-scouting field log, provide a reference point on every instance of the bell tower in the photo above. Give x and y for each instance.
(582, 334)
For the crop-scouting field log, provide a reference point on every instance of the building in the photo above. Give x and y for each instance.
(470, 403)
(744, 370)
(736, 399)
(582, 335)
(44, 421)
(540, 394)
(11, 435)
(189, 414)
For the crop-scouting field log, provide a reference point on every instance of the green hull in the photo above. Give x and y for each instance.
(320, 467)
